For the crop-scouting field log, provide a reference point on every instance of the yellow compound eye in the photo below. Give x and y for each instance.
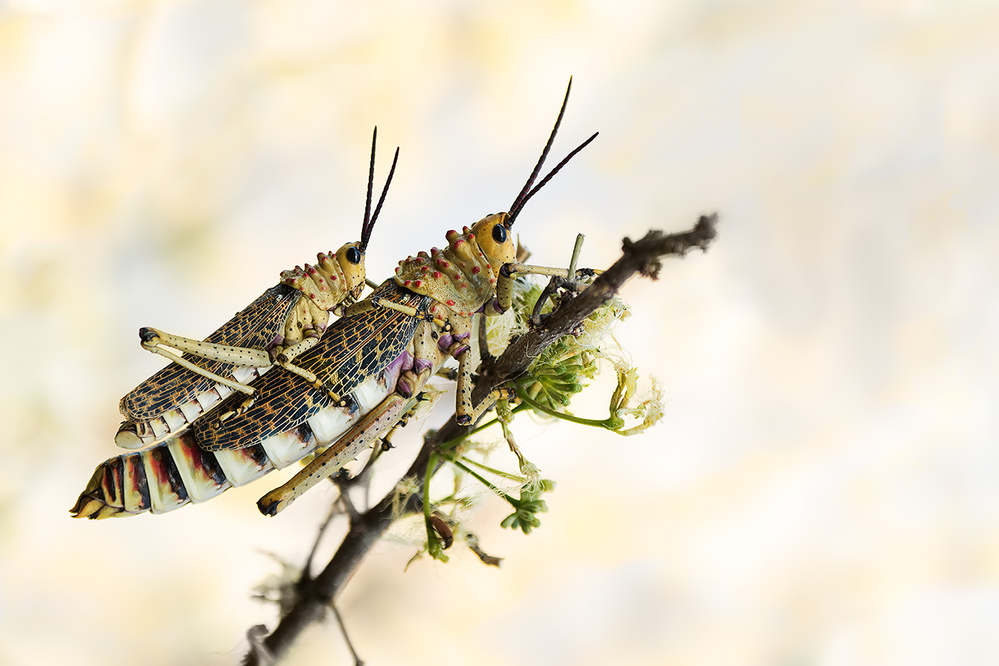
(354, 255)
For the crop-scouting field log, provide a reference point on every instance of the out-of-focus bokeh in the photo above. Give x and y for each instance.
(823, 489)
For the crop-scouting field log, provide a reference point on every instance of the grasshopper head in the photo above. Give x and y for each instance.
(350, 259)
(492, 233)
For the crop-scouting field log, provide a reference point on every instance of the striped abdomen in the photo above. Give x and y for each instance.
(177, 471)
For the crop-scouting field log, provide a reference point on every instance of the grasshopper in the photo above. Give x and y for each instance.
(273, 330)
(370, 369)
(183, 469)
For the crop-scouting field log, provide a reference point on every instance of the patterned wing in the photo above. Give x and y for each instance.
(255, 326)
(351, 350)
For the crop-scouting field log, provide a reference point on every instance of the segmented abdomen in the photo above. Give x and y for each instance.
(361, 357)
(177, 471)
(173, 473)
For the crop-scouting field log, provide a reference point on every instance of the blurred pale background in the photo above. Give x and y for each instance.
(823, 489)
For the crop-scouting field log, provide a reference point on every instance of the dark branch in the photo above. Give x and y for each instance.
(641, 257)
(638, 257)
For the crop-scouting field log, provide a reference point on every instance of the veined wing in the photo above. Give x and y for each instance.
(351, 350)
(255, 326)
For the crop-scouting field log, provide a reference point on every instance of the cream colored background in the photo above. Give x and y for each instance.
(824, 487)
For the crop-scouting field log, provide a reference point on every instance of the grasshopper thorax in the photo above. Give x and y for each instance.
(334, 277)
(463, 275)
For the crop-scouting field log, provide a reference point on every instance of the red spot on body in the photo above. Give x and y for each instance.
(475, 270)
(450, 302)
(418, 284)
(437, 274)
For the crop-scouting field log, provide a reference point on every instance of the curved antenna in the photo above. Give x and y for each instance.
(513, 213)
(366, 233)
(369, 218)
(527, 192)
(518, 202)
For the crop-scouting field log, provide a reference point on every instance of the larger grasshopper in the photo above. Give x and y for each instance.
(369, 370)
(285, 321)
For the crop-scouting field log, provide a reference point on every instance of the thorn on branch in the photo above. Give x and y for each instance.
(346, 636)
(255, 635)
(473, 544)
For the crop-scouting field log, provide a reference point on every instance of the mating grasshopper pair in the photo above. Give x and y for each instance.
(344, 390)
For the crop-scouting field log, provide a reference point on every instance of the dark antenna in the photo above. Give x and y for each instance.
(369, 219)
(526, 193)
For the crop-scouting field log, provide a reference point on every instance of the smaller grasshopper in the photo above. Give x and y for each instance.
(273, 330)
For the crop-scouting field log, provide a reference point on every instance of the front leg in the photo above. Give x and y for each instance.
(456, 343)
(510, 272)
(369, 304)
